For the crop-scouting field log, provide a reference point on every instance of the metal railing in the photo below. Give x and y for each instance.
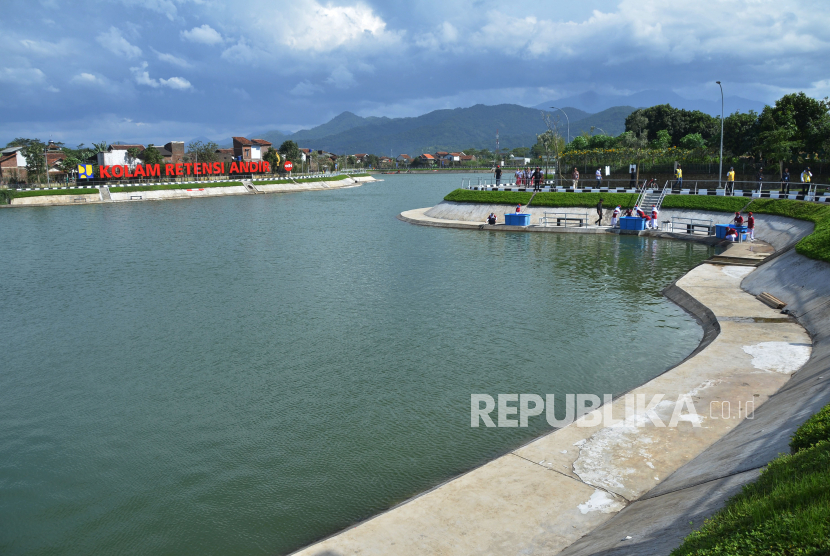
(556, 219)
(691, 225)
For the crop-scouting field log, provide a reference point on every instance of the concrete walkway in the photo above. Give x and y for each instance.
(544, 496)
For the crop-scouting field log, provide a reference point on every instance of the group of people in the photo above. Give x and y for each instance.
(806, 176)
(732, 233)
(651, 219)
(527, 177)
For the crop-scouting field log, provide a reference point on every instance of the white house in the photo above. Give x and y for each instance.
(116, 155)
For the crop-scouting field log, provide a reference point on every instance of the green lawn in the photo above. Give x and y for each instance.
(305, 180)
(785, 512)
(586, 200)
(704, 202)
(163, 187)
(815, 245)
(44, 192)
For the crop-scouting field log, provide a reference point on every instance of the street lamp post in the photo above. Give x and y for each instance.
(567, 120)
(720, 158)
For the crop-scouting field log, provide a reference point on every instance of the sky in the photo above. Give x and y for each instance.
(161, 70)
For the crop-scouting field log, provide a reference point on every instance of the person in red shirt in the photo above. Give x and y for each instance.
(750, 224)
(739, 220)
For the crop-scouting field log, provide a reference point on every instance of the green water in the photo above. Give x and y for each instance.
(245, 375)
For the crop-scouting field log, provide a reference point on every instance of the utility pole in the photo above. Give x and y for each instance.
(567, 119)
(720, 158)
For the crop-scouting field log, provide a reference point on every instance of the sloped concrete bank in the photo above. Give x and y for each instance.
(632, 487)
(189, 191)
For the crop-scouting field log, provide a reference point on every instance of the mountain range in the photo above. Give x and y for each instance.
(591, 101)
(450, 130)
(476, 126)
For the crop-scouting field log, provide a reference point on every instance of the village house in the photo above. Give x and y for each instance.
(404, 158)
(172, 152)
(12, 165)
(426, 158)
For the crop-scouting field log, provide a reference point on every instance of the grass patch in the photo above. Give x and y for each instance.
(167, 186)
(704, 202)
(813, 431)
(815, 245)
(584, 200)
(305, 180)
(46, 192)
(786, 512)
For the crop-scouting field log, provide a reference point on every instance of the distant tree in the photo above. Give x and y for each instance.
(133, 155)
(35, 155)
(273, 159)
(662, 141)
(151, 155)
(521, 151)
(23, 142)
(201, 152)
(693, 141)
(578, 143)
(290, 151)
(373, 161)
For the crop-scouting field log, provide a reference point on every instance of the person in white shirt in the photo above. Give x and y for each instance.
(805, 180)
(518, 177)
(654, 213)
(599, 175)
(615, 216)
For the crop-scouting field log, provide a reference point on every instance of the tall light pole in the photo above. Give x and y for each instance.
(567, 119)
(720, 158)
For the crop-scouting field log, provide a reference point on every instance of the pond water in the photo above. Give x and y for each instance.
(247, 374)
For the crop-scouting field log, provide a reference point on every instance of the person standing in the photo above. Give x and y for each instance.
(750, 224)
(519, 207)
(632, 182)
(730, 180)
(498, 175)
(599, 176)
(678, 173)
(654, 214)
(805, 180)
(599, 212)
(738, 220)
(760, 179)
(785, 181)
(575, 177)
(518, 177)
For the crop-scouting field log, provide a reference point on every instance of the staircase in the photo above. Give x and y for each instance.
(249, 185)
(104, 191)
(648, 199)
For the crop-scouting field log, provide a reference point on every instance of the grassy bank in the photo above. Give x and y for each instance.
(785, 512)
(815, 245)
(167, 186)
(304, 180)
(44, 192)
(586, 200)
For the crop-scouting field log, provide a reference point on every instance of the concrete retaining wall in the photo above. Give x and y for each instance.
(779, 231)
(164, 194)
(46, 200)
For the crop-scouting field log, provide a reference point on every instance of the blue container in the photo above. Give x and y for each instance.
(517, 219)
(742, 231)
(632, 223)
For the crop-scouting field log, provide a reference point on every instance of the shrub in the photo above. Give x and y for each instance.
(813, 431)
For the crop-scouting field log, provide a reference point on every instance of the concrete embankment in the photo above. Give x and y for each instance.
(187, 191)
(632, 487)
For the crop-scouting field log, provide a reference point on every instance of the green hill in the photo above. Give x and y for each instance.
(448, 130)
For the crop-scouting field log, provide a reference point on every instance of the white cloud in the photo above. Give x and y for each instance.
(204, 34)
(341, 78)
(84, 78)
(22, 76)
(52, 89)
(113, 41)
(304, 89)
(142, 77)
(242, 52)
(171, 59)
